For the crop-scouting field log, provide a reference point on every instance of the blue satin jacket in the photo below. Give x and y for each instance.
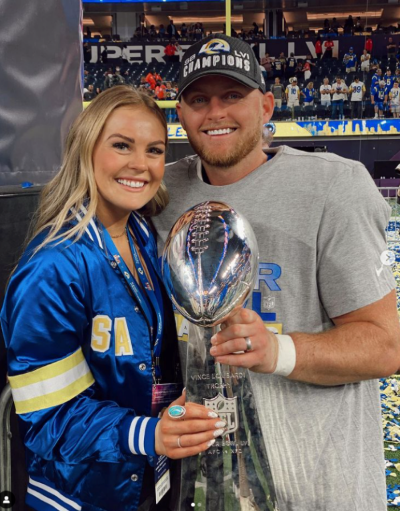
(80, 369)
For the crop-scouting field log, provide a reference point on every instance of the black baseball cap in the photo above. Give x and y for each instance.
(221, 55)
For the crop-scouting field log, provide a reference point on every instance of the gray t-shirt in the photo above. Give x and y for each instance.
(320, 224)
(277, 90)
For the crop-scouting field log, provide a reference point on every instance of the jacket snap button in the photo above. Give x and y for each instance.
(142, 367)
(134, 478)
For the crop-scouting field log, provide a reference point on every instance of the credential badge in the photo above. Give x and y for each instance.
(227, 409)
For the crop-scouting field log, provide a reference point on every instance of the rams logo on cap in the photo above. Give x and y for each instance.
(215, 47)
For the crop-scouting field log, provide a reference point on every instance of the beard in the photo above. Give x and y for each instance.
(236, 154)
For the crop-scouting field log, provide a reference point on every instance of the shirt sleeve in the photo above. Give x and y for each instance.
(45, 319)
(350, 242)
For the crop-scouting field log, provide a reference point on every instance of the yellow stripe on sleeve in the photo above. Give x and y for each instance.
(46, 372)
(55, 398)
(51, 385)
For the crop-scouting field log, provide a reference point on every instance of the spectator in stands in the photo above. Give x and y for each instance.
(328, 45)
(394, 100)
(338, 91)
(159, 91)
(335, 26)
(292, 95)
(369, 44)
(184, 31)
(87, 53)
(326, 26)
(171, 49)
(357, 90)
(278, 92)
(391, 49)
(358, 26)
(397, 75)
(267, 64)
(318, 47)
(348, 25)
(89, 94)
(255, 29)
(389, 80)
(375, 79)
(172, 30)
(125, 54)
(108, 81)
(380, 98)
(291, 66)
(299, 70)
(350, 61)
(278, 68)
(144, 84)
(325, 92)
(308, 94)
(104, 56)
(118, 78)
(152, 33)
(198, 32)
(161, 31)
(365, 61)
(151, 80)
(307, 68)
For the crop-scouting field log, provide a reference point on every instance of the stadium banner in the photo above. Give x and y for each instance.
(41, 87)
(309, 129)
(154, 51)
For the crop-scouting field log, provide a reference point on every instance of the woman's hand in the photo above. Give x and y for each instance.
(195, 432)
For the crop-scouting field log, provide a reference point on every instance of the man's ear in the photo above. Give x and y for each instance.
(180, 115)
(267, 106)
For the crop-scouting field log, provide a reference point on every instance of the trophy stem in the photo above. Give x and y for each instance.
(234, 473)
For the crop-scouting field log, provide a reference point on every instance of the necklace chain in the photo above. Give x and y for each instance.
(119, 235)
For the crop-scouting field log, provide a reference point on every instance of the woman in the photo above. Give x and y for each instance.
(308, 98)
(88, 326)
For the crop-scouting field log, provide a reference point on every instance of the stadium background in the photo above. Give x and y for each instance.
(43, 79)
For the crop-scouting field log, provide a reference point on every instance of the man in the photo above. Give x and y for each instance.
(357, 89)
(291, 66)
(171, 49)
(350, 61)
(278, 91)
(339, 92)
(389, 80)
(328, 45)
(89, 93)
(325, 91)
(375, 82)
(391, 49)
(320, 282)
(172, 30)
(279, 67)
(394, 98)
(379, 99)
(292, 95)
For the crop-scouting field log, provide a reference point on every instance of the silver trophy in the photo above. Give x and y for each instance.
(209, 265)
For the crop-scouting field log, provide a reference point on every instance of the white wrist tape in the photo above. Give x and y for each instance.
(286, 355)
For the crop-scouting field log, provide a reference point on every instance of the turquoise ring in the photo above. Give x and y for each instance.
(176, 411)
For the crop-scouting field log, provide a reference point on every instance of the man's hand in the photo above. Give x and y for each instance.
(244, 323)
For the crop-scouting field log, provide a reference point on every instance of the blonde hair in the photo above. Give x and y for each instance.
(74, 186)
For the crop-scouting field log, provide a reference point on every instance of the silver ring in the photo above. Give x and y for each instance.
(179, 442)
(249, 347)
(176, 411)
